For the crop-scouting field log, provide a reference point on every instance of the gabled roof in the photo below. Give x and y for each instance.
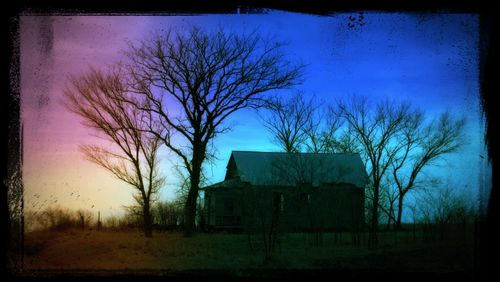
(230, 183)
(266, 168)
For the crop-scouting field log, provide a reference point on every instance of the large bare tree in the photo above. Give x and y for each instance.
(375, 127)
(100, 99)
(421, 145)
(194, 80)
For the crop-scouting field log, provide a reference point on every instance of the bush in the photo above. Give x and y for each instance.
(58, 218)
(445, 211)
(167, 215)
(115, 223)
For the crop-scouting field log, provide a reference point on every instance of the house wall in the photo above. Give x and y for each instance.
(223, 207)
(328, 207)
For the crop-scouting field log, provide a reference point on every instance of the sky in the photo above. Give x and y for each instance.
(430, 60)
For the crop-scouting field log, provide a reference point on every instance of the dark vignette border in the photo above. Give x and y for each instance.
(11, 150)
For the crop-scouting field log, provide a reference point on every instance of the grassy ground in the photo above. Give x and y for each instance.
(130, 250)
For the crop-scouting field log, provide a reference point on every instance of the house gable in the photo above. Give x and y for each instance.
(231, 169)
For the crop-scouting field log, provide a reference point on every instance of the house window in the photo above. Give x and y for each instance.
(278, 202)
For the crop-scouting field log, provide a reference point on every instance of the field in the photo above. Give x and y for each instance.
(92, 251)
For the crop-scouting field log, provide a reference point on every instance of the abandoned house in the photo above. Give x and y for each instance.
(297, 192)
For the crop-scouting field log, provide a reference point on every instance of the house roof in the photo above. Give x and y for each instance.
(230, 183)
(269, 168)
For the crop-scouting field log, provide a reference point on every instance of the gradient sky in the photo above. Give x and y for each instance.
(431, 60)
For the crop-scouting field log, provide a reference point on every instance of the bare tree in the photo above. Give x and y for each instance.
(168, 214)
(195, 80)
(387, 200)
(421, 145)
(392, 196)
(444, 207)
(289, 120)
(296, 125)
(374, 128)
(99, 98)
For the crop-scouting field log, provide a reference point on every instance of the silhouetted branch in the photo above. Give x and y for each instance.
(422, 144)
(105, 103)
(289, 121)
(193, 81)
(374, 129)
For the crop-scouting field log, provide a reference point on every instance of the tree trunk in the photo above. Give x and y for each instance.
(372, 236)
(148, 222)
(400, 211)
(388, 224)
(190, 206)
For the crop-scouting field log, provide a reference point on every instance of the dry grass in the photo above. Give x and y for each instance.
(131, 250)
(92, 250)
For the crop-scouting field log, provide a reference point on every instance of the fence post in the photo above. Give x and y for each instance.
(98, 221)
